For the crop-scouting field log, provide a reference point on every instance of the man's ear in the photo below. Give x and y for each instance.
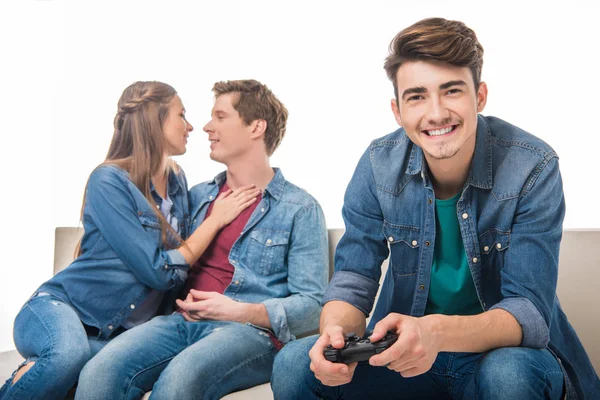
(396, 111)
(259, 127)
(482, 93)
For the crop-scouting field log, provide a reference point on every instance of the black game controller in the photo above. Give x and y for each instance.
(357, 349)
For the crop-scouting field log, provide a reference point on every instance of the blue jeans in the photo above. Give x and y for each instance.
(50, 333)
(180, 360)
(505, 373)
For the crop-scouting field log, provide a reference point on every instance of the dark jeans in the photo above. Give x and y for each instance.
(505, 373)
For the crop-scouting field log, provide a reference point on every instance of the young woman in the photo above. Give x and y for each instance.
(131, 259)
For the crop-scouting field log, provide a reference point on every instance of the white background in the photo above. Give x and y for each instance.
(64, 64)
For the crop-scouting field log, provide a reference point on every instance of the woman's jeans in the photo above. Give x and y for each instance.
(504, 373)
(177, 359)
(49, 332)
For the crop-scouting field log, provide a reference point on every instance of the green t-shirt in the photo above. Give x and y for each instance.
(451, 291)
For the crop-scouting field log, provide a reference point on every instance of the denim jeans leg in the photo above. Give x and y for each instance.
(129, 365)
(50, 333)
(222, 357)
(516, 373)
(291, 377)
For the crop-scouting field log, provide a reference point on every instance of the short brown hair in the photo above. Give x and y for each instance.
(435, 39)
(256, 101)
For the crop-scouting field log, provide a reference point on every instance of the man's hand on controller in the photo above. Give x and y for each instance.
(415, 350)
(330, 374)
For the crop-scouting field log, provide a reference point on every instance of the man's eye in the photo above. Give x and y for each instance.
(453, 91)
(415, 97)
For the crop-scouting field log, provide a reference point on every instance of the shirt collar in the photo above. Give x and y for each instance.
(173, 184)
(274, 188)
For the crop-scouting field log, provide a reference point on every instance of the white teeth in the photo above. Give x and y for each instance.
(439, 132)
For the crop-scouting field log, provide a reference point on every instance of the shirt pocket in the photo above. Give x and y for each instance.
(492, 247)
(267, 250)
(404, 248)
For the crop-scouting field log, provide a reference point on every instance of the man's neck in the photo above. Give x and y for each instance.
(449, 175)
(256, 172)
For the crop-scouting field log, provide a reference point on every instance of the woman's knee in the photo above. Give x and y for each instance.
(21, 371)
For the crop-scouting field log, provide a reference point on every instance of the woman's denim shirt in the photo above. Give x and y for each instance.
(510, 213)
(123, 258)
(281, 257)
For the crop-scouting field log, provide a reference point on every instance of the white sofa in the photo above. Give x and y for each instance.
(579, 274)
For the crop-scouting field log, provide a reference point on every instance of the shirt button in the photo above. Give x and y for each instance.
(269, 241)
(486, 248)
(237, 282)
(234, 262)
(465, 216)
(414, 243)
(498, 246)
(391, 239)
(474, 260)
(210, 197)
(427, 243)
(166, 266)
(132, 306)
(158, 206)
(429, 201)
(110, 327)
(262, 209)
(421, 287)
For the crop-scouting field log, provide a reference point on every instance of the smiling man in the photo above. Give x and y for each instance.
(469, 209)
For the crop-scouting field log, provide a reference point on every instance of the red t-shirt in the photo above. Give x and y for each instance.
(213, 272)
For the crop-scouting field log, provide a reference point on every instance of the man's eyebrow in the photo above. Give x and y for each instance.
(419, 89)
(452, 83)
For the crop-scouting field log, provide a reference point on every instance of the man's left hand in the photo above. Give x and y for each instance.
(210, 305)
(415, 350)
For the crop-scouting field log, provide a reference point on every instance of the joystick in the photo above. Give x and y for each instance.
(356, 349)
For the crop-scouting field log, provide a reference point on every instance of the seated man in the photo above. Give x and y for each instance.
(470, 210)
(258, 284)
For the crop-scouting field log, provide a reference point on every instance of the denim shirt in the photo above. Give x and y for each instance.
(281, 257)
(122, 258)
(510, 214)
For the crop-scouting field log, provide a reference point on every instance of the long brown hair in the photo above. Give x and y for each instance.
(138, 144)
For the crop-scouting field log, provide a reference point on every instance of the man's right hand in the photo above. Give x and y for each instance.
(330, 374)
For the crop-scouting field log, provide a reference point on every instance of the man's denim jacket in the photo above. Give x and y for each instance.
(281, 257)
(510, 214)
(123, 256)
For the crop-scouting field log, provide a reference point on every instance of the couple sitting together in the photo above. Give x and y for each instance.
(197, 293)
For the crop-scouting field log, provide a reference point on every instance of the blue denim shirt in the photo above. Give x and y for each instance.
(281, 257)
(510, 213)
(123, 257)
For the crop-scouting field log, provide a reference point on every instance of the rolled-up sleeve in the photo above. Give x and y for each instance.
(530, 272)
(308, 262)
(362, 249)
